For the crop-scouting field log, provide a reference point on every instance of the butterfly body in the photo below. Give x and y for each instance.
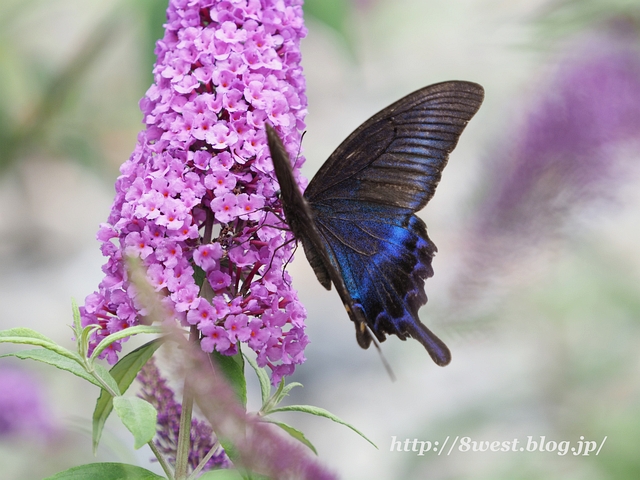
(356, 219)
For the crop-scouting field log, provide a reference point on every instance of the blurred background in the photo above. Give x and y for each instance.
(537, 278)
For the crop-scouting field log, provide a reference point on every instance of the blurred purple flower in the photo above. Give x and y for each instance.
(197, 197)
(156, 391)
(22, 407)
(567, 154)
(566, 151)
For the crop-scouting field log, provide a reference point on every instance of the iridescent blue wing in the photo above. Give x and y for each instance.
(383, 256)
(376, 252)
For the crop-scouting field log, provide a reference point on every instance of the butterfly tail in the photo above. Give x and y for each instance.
(413, 328)
(438, 351)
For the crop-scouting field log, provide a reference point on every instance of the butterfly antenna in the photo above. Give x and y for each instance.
(286, 264)
(282, 219)
(274, 255)
(387, 367)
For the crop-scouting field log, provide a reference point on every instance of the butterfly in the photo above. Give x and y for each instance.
(356, 218)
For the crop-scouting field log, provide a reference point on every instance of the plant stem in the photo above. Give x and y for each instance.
(184, 435)
(161, 460)
(208, 227)
(204, 461)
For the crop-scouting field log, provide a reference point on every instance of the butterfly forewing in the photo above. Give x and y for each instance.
(397, 156)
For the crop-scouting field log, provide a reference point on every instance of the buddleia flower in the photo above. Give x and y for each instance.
(196, 202)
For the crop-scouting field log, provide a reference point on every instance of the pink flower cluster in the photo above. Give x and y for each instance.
(196, 200)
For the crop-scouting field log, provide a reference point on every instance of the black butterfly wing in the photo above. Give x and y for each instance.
(376, 252)
(397, 156)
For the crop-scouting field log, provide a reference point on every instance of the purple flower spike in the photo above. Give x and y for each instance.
(565, 157)
(196, 199)
(566, 152)
(156, 391)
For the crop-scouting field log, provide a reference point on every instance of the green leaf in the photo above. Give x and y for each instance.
(281, 392)
(106, 471)
(52, 358)
(123, 372)
(81, 334)
(139, 416)
(22, 332)
(320, 412)
(285, 391)
(71, 364)
(26, 336)
(273, 401)
(198, 275)
(232, 367)
(223, 474)
(263, 378)
(106, 377)
(83, 341)
(77, 322)
(295, 433)
(127, 332)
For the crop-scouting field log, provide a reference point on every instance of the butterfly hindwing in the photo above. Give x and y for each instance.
(384, 257)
